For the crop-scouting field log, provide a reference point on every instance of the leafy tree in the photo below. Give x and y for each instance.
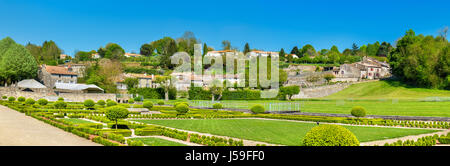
(384, 49)
(147, 50)
(282, 54)
(131, 83)
(372, 49)
(115, 113)
(164, 82)
(111, 51)
(50, 53)
(307, 50)
(290, 91)
(328, 77)
(16, 62)
(186, 42)
(83, 55)
(295, 51)
(355, 49)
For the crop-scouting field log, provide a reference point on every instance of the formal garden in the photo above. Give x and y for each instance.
(178, 123)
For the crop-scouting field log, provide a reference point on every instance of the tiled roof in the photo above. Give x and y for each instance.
(58, 70)
(76, 87)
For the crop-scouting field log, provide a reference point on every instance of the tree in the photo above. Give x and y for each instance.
(111, 51)
(307, 50)
(295, 51)
(186, 42)
(443, 33)
(205, 49)
(328, 77)
(246, 48)
(282, 54)
(355, 49)
(147, 50)
(372, 49)
(50, 53)
(384, 49)
(290, 91)
(131, 83)
(164, 82)
(16, 62)
(115, 113)
(83, 56)
(226, 45)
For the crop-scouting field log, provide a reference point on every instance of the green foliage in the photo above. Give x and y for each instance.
(16, 62)
(217, 106)
(131, 83)
(147, 50)
(29, 101)
(60, 104)
(257, 109)
(60, 99)
(156, 93)
(422, 60)
(116, 112)
(148, 105)
(131, 101)
(111, 103)
(132, 142)
(21, 99)
(182, 108)
(197, 93)
(328, 77)
(330, 135)
(42, 102)
(89, 103)
(290, 91)
(160, 102)
(11, 99)
(4, 97)
(111, 51)
(178, 103)
(245, 94)
(358, 111)
(101, 102)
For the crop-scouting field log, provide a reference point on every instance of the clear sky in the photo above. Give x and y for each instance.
(268, 25)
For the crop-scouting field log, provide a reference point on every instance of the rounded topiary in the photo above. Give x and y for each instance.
(160, 102)
(101, 102)
(115, 113)
(29, 101)
(60, 99)
(11, 99)
(111, 103)
(4, 97)
(217, 106)
(131, 101)
(89, 103)
(42, 102)
(21, 99)
(147, 104)
(257, 109)
(60, 104)
(330, 135)
(358, 111)
(177, 103)
(182, 108)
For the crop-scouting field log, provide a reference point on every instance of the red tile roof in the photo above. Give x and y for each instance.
(58, 70)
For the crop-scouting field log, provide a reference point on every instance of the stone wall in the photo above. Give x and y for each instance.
(73, 97)
(320, 91)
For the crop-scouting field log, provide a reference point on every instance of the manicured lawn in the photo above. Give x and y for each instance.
(75, 120)
(275, 131)
(151, 141)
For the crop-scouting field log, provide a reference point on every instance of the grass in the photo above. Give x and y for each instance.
(76, 121)
(152, 141)
(276, 131)
(387, 90)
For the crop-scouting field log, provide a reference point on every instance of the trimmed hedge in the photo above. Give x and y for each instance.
(42, 102)
(330, 135)
(182, 108)
(147, 131)
(257, 109)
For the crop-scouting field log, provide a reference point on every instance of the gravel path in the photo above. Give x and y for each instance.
(169, 139)
(17, 129)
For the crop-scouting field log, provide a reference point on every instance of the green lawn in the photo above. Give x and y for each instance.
(152, 141)
(275, 131)
(75, 120)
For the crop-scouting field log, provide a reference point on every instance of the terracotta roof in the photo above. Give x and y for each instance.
(132, 55)
(58, 70)
(221, 51)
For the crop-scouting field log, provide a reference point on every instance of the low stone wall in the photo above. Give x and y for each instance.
(80, 97)
(320, 91)
(73, 97)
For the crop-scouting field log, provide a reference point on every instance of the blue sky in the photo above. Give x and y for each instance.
(268, 25)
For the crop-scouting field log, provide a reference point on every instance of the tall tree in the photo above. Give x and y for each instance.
(384, 49)
(205, 49)
(226, 45)
(295, 51)
(282, 54)
(355, 49)
(16, 62)
(246, 48)
(50, 53)
(147, 50)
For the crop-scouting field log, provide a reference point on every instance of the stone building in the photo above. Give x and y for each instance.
(368, 68)
(56, 74)
(79, 69)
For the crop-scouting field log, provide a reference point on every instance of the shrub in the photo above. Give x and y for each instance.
(101, 102)
(89, 103)
(4, 97)
(42, 102)
(21, 99)
(111, 103)
(137, 98)
(11, 99)
(60, 104)
(115, 113)
(148, 105)
(29, 101)
(358, 111)
(182, 108)
(131, 142)
(177, 103)
(60, 99)
(217, 106)
(131, 101)
(160, 102)
(330, 135)
(257, 109)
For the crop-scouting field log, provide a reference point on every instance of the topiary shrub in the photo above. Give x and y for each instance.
(358, 111)
(182, 108)
(177, 103)
(131, 101)
(330, 135)
(29, 101)
(217, 106)
(11, 99)
(160, 102)
(111, 103)
(115, 113)
(4, 97)
(257, 109)
(89, 103)
(101, 102)
(21, 99)
(60, 99)
(148, 105)
(60, 104)
(42, 102)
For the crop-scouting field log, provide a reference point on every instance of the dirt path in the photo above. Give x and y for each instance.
(17, 129)
(412, 137)
(169, 139)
